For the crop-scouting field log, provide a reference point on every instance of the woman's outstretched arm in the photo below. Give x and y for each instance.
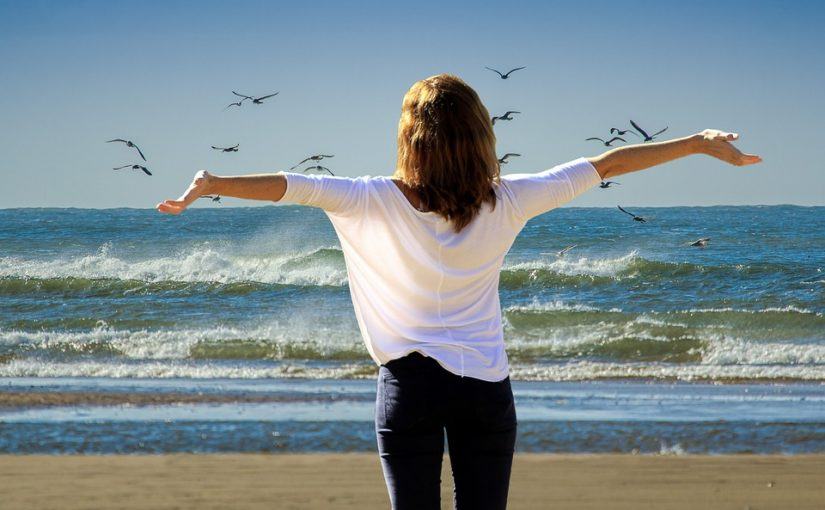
(632, 158)
(254, 187)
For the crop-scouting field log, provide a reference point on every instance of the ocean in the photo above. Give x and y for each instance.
(240, 300)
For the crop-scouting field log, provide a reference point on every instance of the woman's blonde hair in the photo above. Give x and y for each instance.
(447, 148)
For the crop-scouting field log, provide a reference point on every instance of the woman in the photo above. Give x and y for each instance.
(423, 250)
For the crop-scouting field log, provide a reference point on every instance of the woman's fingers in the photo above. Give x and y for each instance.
(171, 207)
(750, 159)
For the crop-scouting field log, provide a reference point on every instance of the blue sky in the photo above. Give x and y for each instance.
(75, 74)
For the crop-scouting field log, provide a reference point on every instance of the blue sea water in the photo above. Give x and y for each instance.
(259, 294)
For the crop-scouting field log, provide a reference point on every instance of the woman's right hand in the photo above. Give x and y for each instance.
(201, 185)
(718, 144)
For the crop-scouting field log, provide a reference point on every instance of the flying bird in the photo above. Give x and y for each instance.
(503, 160)
(617, 131)
(701, 243)
(562, 252)
(647, 137)
(607, 184)
(317, 157)
(135, 167)
(227, 149)
(255, 100)
(128, 143)
(606, 142)
(507, 116)
(319, 168)
(215, 198)
(234, 104)
(507, 74)
(635, 218)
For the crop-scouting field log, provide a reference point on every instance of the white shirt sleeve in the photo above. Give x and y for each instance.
(338, 195)
(537, 193)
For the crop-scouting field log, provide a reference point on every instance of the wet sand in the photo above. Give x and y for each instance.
(350, 481)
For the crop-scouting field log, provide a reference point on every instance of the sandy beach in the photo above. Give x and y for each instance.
(355, 481)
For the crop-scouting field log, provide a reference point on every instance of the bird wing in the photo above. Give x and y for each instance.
(659, 132)
(511, 154)
(266, 97)
(242, 95)
(232, 104)
(510, 111)
(497, 72)
(236, 146)
(117, 140)
(494, 119)
(594, 138)
(514, 70)
(626, 212)
(121, 167)
(617, 138)
(640, 130)
(140, 152)
(327, 155)
(216, 148)
(326, 169)
(145, 170)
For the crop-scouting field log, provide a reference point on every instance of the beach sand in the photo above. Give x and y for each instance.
(315, 481)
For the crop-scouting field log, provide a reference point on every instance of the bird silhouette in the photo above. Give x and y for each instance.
(255, 100)
(506, 116)
(617, 131)
(215, 198)
(134, 167)
(607, 143)
(227, 149)
(701, 243)
(129, 143)
(647, 137)
(316, 157)
(319, 168)
(635, 218)
(507, 74)
(607, 184)
(503, 160)
(234, 104)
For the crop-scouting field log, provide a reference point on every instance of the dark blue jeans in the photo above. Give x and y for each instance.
(417, 401)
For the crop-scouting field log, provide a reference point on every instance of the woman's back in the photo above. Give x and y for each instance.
(416, 283)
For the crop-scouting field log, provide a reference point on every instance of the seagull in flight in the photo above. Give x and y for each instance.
(227, 149)
(255, 100)
(701, 243)
(215, 198)
(507, 74)
(562, 252)
(617, 131)
(507, 116)
(606, 142)
(647, 137)
(319, 168)
(607, 184)
(317, 157)
(503, 160)
(135, 167)
(234, 104)
(635, 218)
(128, 143)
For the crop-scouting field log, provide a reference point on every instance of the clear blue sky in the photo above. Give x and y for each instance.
(74, 74)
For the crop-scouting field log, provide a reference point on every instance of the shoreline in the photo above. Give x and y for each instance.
(315, 481)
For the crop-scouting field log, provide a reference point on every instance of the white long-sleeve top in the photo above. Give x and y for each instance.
(416, 284)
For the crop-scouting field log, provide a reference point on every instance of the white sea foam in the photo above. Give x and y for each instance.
(567, 371)
(196, 264)
(608, 267)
